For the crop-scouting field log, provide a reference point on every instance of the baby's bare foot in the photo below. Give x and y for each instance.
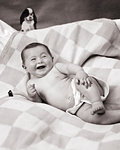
(97, 108)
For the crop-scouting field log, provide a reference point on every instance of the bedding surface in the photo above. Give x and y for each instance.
(32, 126)
(24, 125)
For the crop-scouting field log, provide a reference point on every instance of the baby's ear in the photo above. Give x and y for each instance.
(52, 58)
(23, 66)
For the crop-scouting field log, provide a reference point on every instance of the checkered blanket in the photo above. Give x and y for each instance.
(25, 125)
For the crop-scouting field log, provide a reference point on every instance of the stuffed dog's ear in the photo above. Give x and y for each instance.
(35, 20)
(24, 14)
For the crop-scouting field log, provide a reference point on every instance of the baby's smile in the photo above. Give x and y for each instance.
(41, 66)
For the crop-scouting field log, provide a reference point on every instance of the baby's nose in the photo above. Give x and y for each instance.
(39, 60)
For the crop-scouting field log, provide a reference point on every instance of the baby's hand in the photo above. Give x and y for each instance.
(31, 90)
(83, 79)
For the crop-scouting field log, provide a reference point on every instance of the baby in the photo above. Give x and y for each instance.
(65, 85)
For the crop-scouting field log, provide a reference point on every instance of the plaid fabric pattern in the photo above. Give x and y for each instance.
(33, 126)
(25, 125)
(5, 33)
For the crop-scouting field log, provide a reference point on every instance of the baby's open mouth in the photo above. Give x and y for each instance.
(41, 67)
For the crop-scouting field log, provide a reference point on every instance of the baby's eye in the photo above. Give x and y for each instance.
(43, 56)
(33, 59)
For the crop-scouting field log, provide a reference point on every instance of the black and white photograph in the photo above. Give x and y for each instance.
(59, 75)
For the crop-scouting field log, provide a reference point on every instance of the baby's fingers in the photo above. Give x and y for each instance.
(31, 86)
(77, 81)
(85, 82)
(82, 81)
(88, 82)
(33, 90)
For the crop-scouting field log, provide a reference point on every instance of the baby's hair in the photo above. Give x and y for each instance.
(32, 45)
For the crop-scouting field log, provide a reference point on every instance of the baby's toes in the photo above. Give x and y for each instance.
(98, 108)
(100, 111)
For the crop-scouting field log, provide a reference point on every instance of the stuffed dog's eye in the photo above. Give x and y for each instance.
(31, 14)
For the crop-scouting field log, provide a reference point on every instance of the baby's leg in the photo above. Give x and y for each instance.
(93, 94)
(110, 117)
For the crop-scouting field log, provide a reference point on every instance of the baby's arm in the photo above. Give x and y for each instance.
(32, 93)
(72, 69)
(69, 68)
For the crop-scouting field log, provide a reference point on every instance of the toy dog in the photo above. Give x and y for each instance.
(28, 20)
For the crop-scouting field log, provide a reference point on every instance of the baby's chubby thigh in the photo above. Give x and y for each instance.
(92, 93)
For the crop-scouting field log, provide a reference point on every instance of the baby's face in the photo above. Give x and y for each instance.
(38, 62)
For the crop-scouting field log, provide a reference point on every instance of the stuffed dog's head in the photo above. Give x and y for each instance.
(28, 15)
